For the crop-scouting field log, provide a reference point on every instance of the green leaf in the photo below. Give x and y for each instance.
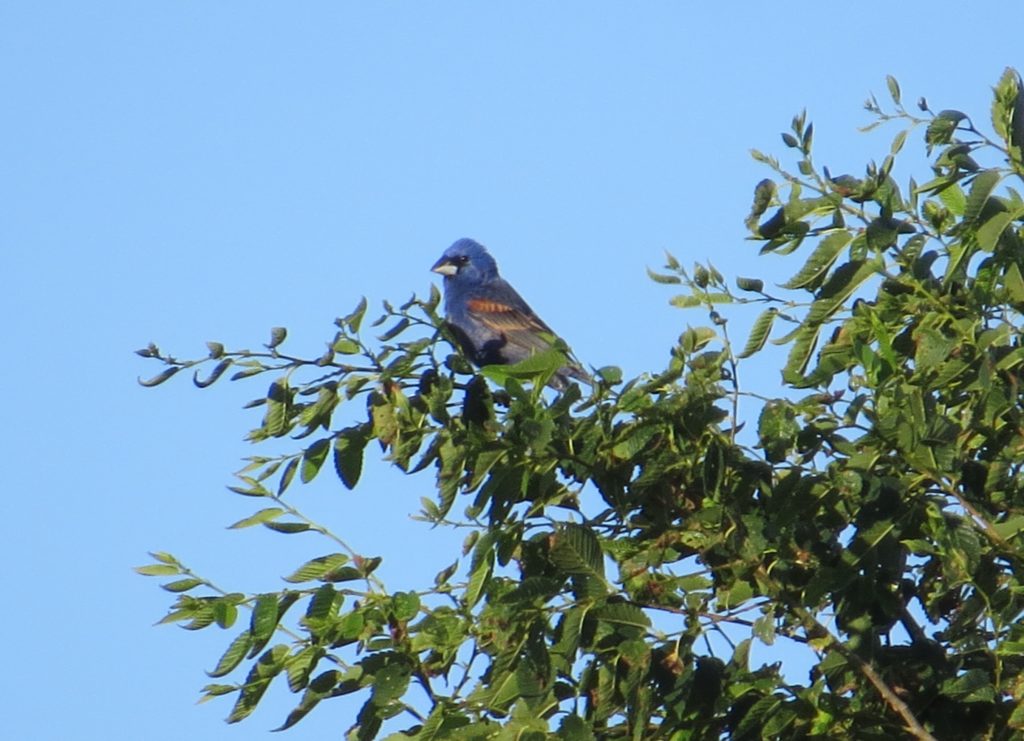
(753, 285)
(481, 568)
(264, 515)
(300, 665)
(256, 683)
(800, 353)
(574, 728)
(287, 475)
(354, 319)
(820, 260)
(315, 568)
(345, 346)
(991, 230)
(664, 279)
(634, 440)
(838, 288)
(540, 366)
(263, 621)
(952, 196)
(894, 88)
(233, 656)
(973, 685)
(623, 614)
(400, 326)
(1014, 283)
(313, 458)
(898, 141)
(348, 454)
(941, 128)
(390, 682)
(278, 400)
(759, 332)
(683, 301)
(158, 569)
(224, 612)
(406, 605)
(288, 528)
(982, 186)
(777, 429)
(577, 550)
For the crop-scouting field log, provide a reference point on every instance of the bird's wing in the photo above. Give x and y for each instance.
(518, 327)
(503, 311)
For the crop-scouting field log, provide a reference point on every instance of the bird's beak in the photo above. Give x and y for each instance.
(445, 267)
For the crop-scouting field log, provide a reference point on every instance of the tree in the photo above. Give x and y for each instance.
(878, 518)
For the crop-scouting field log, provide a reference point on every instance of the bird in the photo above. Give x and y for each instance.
(491, 322)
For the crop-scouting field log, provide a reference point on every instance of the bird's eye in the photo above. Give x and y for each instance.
(461, 260)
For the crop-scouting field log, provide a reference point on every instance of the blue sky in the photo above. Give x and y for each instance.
(191, 171)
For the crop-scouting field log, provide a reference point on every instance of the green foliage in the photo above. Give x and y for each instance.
(626, 548)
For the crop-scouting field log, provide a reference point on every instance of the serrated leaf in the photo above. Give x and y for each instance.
(951, 195)
(820, 260)
(576, 549)
(838, 288)
(233, 656)
(973, 685)
(622, 613)
(317, 567)
(540, 366)
(481, 568)
(256, 683)
(313, 458)
(263, 621)
(224, 612)
(300, 665)
(348, 455)
(634, 440)
(982, 186)
(759, 332)
(800, 353)
(991, 230)
(278, 400)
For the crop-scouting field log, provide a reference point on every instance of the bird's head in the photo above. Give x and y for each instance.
(467, 260)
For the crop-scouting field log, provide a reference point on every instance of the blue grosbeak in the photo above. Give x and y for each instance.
(491, 322)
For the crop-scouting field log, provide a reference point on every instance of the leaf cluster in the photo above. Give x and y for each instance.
(625, 549)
